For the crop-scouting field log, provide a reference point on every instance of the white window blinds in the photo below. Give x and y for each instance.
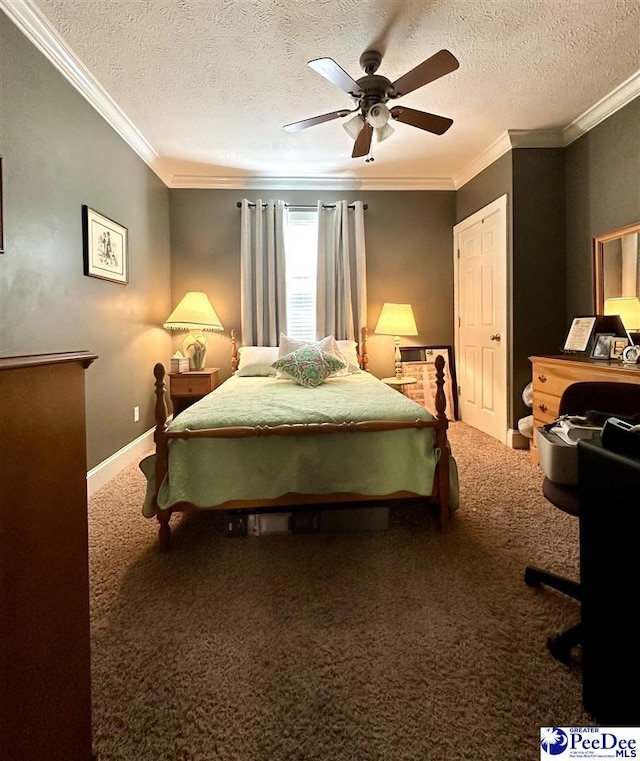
(301, 241)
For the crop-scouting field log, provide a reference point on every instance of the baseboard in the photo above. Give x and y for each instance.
(515, 440)
(134, 451)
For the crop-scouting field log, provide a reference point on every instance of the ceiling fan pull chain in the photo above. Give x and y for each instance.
(370, 158)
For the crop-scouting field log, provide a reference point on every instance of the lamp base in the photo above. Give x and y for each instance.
(195, 347)
(398, 358)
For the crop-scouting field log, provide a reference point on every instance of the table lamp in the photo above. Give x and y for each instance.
(195, 314)
(397, 320)
(629, 310)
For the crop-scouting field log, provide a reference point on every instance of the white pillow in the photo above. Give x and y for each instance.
(348, 349)
(257, 361)
(328, 344)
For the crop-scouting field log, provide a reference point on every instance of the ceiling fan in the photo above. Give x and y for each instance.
(371, 93)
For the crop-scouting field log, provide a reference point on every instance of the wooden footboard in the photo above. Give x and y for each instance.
(162, 436)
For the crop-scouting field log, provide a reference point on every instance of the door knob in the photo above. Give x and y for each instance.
(495, 337)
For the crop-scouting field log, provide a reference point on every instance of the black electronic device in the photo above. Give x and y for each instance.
(621, 436)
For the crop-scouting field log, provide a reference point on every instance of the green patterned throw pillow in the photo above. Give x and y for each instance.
(308, 365)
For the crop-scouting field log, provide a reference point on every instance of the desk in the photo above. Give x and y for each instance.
(610, 583)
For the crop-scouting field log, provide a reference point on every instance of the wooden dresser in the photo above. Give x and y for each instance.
(45, 667)
(551, 375)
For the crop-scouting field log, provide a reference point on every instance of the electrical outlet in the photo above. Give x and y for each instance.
(136, 414)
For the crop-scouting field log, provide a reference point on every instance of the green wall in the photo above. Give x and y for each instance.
(493, 182)
(59, 154)
(409, 239)
(538, 281)
(602, 194)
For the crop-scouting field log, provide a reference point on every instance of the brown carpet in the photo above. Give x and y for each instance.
(393, 645)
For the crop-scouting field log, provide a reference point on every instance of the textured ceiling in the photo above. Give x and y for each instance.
(210, 83)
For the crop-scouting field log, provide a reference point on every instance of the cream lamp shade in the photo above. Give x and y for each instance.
(195, 314)
(353, 126)
(397, 320)
(378, 118)
(628, 308)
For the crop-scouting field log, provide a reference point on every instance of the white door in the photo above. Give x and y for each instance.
(480, 273)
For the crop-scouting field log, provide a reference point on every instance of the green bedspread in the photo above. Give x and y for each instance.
(209, 472)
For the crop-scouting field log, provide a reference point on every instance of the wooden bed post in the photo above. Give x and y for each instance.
(234, 351)
(444, 506)
(364, 357)
(162, 455)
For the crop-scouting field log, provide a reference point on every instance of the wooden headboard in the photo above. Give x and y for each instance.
(363, 357)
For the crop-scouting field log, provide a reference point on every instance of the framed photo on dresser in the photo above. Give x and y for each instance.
(579, 334)
(602, 346)
(419, 362)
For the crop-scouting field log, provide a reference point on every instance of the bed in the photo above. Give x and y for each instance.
(260, 442)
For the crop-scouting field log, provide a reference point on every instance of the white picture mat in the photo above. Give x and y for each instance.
(579, 334)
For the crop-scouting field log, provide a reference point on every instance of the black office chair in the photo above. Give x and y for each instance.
(609, 399)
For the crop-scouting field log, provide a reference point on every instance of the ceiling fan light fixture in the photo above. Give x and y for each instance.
(378, 116)
(353, 126)
(382, 133)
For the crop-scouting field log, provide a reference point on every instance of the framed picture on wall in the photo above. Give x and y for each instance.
(105, 248)
(419, 362)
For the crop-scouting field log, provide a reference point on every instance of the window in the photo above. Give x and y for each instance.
(301, 251)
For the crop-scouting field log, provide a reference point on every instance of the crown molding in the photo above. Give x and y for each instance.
(498, 148)
(35, 26)
(604, 108)
(536, 138)
(307, 183)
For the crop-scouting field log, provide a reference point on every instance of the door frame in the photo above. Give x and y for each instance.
(499, 204)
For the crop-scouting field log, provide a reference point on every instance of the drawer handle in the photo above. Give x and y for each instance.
(190, 390)
(543, 407)
(542, 378)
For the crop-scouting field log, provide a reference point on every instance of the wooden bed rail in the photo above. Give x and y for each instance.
(162, 436)
(300, 429)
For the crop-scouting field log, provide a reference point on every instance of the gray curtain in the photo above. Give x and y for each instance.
(263, 303)
(342, 278)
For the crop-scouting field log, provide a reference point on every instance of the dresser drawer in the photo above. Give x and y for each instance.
(545, 407)
(190, 385)
(554, 380)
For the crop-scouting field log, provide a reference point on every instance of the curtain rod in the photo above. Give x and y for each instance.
(302, 206)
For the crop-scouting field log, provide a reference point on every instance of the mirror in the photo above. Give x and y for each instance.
(617, 274)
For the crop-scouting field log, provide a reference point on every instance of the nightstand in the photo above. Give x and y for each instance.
(399, 383)
(187, 388)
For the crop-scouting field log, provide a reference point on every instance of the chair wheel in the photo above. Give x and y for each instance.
(531, 578)
(560, 649)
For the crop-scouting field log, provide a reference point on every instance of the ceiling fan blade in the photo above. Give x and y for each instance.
(421, 119)
(363, 141)
(441, 63)
(330, 70)
(297, 126)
